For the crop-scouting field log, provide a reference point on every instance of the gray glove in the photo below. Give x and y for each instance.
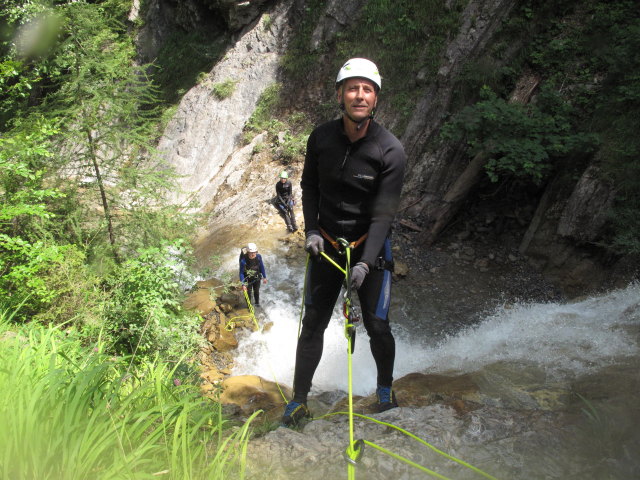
(358, 273)
(315, 243)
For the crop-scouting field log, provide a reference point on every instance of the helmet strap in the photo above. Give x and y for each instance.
(360, 123)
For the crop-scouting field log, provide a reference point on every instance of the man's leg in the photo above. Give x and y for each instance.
(292, 216)
(284, 211)
(375, 298)
(256, 292)
(323, 286)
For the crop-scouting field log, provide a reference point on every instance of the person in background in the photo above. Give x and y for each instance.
(284, 201)
(252, 272)
(351, 184)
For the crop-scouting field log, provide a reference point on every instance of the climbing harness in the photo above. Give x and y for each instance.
(340, 243)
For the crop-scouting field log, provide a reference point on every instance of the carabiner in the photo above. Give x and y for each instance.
(358, 449)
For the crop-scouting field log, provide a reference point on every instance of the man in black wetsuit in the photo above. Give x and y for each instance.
(284, 201)
(351, 185)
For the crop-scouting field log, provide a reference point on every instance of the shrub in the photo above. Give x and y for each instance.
(224, 89)
(144, 315)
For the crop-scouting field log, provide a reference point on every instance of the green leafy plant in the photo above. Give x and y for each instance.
(144, 314)
(224, 89)
(287, 133)
(519, 140)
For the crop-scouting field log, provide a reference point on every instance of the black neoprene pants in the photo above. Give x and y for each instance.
(254, 285)
(323, 287)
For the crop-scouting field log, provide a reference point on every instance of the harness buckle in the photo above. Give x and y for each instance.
(382, 264)
(343, 244)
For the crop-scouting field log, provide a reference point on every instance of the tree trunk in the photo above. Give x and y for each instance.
(458, 192)
(103, 195)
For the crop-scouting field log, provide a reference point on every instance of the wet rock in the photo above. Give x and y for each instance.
(252, 393)
(418, 389)
(225, 341)
(201, 301)
(212, 375)
(230, 298)
(401, 269)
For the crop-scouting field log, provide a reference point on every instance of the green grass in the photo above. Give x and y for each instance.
(70, 412)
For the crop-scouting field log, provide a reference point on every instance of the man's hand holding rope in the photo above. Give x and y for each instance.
(314, 243)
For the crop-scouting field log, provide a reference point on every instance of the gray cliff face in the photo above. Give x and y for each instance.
(432, 171)
(203, 139)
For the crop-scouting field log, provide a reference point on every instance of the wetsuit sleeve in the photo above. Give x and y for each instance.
(262, 270)
(386, 201)
(310, 186)
(242, 265)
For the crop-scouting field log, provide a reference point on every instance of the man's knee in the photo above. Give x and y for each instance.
(376, 327)
(314, 322)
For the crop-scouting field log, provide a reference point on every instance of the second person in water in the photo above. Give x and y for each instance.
(252, 272)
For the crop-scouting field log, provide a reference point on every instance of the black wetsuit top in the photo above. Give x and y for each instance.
(284, 190)
(350, 189)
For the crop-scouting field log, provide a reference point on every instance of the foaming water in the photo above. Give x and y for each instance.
(562, 340)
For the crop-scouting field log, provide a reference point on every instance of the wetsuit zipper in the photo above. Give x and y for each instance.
(344, 162)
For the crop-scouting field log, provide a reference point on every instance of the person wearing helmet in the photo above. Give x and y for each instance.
(351, 184)
(252, 272)
(284, 201)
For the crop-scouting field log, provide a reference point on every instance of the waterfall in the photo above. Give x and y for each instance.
(562, 340)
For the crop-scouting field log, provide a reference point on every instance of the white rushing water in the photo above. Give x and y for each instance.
(563, 340)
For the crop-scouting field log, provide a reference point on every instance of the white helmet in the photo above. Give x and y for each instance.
(359, 67)
(252, 248)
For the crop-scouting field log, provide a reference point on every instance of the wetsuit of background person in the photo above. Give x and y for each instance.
(252, 272)
(351, 185)
(284, 201)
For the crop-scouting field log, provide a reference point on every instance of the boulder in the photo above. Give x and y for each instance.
(252, 393)
(201, 301)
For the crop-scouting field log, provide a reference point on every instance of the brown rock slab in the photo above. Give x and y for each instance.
(200, 300)
(252, 393)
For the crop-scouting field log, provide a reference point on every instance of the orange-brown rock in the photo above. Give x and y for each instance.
(418, 389)
(200, 300)
(225, 341)
(212, 375)
(252, 393)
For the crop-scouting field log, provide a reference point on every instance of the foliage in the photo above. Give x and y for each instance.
(70, 412)
(27, 256)
(224, 89)
(289, 133)
(519, 140)
(591, 56)
(182, 58)
(80, 119)
(144, 314)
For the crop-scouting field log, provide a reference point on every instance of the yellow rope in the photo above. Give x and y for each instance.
(352, 453)
(415, 437)
(231, 324)
(406, 460)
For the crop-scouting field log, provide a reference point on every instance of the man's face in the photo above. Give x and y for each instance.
(252, 254)
(359, 97)
(283, 180)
